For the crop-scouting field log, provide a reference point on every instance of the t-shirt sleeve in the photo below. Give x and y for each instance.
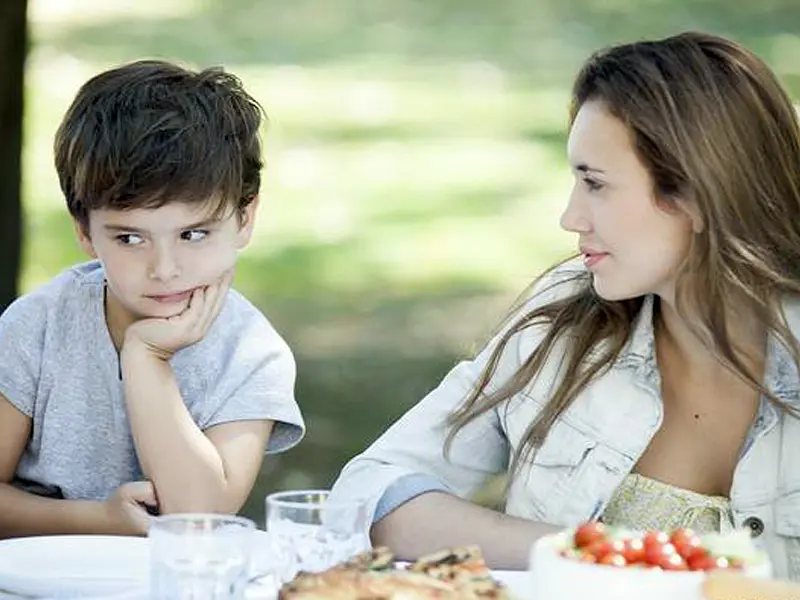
(254, 377)
(22, 328)
(263, 389)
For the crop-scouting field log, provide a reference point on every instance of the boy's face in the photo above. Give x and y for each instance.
(154, 258)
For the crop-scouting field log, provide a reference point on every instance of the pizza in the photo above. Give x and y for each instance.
(374, 575)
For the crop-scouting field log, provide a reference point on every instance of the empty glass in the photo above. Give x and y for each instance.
(313, 533)
(199, 556)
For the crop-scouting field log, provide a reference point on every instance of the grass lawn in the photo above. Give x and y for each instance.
(415, 167)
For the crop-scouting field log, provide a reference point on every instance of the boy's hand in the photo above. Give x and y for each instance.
(164, 337)
(127, 507)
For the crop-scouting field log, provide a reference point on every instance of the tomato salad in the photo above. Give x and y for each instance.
(680, 550)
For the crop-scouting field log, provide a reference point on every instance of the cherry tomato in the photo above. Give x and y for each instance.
(680, 535)
(686, 542)
(655, 538)
(656, 553)
(698, 560)
(604, 547)
(588, 533)
(613, 559)
(708, 563)
(673, 562)
(634, 551)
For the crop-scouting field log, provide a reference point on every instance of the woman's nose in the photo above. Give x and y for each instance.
(574, 218)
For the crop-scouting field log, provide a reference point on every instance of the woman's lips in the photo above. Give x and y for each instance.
(591, 259)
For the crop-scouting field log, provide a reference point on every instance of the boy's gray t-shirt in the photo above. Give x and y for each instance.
(59, 366)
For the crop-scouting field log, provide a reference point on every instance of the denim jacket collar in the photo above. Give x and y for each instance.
(781, 375)
(639, 353)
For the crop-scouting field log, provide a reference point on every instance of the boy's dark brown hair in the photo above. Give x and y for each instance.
(151, 132)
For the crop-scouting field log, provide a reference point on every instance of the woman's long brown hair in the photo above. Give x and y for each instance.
(715, 130)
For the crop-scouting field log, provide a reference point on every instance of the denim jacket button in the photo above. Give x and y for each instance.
(755, 525)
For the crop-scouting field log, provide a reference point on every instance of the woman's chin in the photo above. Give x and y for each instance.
(613, 293)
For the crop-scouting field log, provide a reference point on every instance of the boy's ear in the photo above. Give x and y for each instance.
(247, 220)
(83, 239)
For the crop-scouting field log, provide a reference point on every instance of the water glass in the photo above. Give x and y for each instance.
(199, 556)
(313, 533)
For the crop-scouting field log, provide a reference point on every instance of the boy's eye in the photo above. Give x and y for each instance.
(129, 239)
(194, 235)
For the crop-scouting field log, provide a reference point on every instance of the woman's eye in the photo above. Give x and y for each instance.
(592, 184)
(194, 235)
(129, 239)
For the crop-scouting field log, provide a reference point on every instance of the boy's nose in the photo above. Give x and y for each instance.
(164, 266)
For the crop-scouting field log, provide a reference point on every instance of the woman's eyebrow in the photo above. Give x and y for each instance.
(584, 168)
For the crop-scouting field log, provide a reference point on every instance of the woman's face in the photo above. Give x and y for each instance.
(632, 245)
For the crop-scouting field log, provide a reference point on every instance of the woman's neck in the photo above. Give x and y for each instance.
(676, 335)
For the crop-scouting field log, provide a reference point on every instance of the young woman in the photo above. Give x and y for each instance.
(653, 381)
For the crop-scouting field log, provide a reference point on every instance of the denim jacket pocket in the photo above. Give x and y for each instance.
(557, 468)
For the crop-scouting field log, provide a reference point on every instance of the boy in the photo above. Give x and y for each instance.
(140, 382)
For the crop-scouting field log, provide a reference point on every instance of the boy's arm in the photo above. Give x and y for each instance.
(22, 513)
(192, 470)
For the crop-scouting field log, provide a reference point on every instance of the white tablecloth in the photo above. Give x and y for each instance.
(97, 564)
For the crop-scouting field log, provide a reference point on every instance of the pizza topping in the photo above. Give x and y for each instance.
(373, 575)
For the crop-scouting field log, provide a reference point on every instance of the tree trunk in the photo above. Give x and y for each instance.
(13, 49)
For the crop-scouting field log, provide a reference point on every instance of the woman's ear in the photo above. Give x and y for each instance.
(247, 220)
(82, 234)
(696, 219)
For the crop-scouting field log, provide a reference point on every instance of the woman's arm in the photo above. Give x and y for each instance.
(406, 479)
(418, 496)
(412, 449)
(436, 520)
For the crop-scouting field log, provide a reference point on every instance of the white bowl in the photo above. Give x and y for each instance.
(555, 577)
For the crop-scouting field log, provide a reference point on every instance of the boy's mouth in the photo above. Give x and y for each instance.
(172, 298)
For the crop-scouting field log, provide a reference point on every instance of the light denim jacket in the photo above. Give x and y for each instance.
(591, 448)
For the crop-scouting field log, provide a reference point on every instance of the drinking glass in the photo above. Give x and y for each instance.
(199, 556)
(313, 533)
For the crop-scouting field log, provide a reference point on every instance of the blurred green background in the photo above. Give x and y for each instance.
(415, 168)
